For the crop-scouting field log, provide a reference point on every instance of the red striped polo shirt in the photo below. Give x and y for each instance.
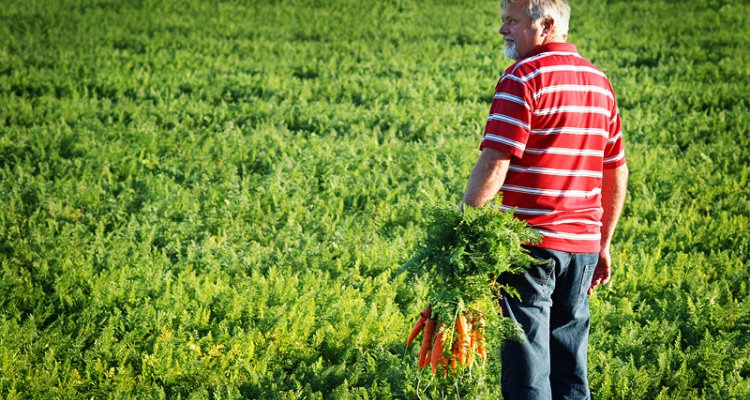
(556, 114)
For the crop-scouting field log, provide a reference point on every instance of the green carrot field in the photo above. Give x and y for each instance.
(211, 200)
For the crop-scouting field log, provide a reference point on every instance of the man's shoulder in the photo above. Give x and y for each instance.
(525, 69)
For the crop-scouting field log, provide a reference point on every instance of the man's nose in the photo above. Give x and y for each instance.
(503, 29)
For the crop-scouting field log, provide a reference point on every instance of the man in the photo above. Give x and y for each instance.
(553, 147)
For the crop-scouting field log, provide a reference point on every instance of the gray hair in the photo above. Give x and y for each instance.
(558, 10)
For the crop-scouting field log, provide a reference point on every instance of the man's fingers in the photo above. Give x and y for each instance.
(594, 283)
(599, 278)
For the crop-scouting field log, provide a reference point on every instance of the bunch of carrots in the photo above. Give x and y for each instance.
(466, 345)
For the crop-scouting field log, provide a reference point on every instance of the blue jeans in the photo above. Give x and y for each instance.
(553, 309)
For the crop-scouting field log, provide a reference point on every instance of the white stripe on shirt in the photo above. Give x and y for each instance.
(614, 119)
(571, 131)
(556, 68)
(572, 221)
(510, 97)
(615, 138)
(573, 88)
(556, 172)
(615, 158)
(570, 236)
(509, 120)
(551, 192)
(573, 109)
(504, 140)
(544, 211)
(565, 152)
(513, 78)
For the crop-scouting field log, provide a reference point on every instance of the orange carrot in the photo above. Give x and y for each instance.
(461, 324)
(478, 340)
(480, 345)
(419, 325)
(444, 362)
(462, 338)
(424, 351)
(482, 353)
(437, 351)
(471, 345)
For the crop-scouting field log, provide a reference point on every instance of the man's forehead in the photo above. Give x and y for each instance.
(514, 8)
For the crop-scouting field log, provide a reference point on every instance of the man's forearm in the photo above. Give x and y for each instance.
(487, 177)
(614, 189)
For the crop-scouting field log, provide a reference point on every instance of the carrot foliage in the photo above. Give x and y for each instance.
(464, 252)
(461, 257)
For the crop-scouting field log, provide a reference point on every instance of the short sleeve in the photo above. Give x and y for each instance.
(614, 151)
(509, 123)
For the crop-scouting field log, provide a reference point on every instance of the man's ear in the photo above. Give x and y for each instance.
(548, 25)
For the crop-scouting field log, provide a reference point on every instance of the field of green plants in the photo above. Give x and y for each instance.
(212, 199)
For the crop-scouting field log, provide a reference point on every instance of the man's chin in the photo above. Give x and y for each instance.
(511, 52)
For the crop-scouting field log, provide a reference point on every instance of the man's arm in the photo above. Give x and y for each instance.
(487, 177)
(614, 189)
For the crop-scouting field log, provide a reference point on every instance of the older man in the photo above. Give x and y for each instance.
(553, 146)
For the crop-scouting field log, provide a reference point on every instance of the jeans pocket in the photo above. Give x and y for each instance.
(588, 274)
(536, 283)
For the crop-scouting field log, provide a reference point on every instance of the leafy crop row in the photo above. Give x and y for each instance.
(211, 199)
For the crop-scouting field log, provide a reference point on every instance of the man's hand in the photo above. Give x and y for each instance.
(602, 273)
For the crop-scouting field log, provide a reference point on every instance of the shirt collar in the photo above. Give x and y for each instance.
(555, 46)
